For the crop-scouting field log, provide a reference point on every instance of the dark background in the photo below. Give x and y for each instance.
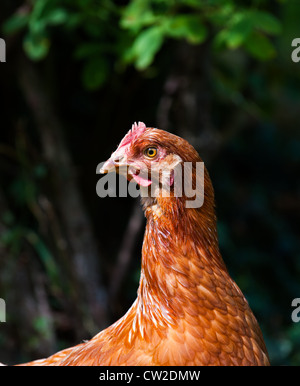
(77, 75)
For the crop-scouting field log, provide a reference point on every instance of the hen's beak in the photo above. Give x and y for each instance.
(108, 166)
(120, 164)
(114, 164)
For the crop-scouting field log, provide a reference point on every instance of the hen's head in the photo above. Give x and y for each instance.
(152, 157)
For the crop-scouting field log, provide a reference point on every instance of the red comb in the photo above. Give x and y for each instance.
(134, 133)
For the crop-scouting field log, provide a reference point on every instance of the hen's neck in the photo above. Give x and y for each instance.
(180, 245)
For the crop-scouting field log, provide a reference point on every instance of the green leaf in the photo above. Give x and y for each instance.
(36, 21)
(137, 15)
(266, 22)
(15, 23)
(239, 27)
(260, 47)
(146, 45)
(57, 16)
(238, 33)
(36, 46)
(189, 27)
(242, 27)
(232, 38)
(95, 73)
(192, 3)
(220, 15)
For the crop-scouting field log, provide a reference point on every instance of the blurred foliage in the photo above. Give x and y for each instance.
(124, 53)
(144, 27)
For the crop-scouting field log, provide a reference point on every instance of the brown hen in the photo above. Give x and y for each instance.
(188, 310)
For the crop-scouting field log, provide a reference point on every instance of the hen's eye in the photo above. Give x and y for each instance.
(150, 152)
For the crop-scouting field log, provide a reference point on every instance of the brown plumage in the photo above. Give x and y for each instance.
(188, 310)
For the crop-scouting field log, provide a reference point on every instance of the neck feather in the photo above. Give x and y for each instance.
(180, 247)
